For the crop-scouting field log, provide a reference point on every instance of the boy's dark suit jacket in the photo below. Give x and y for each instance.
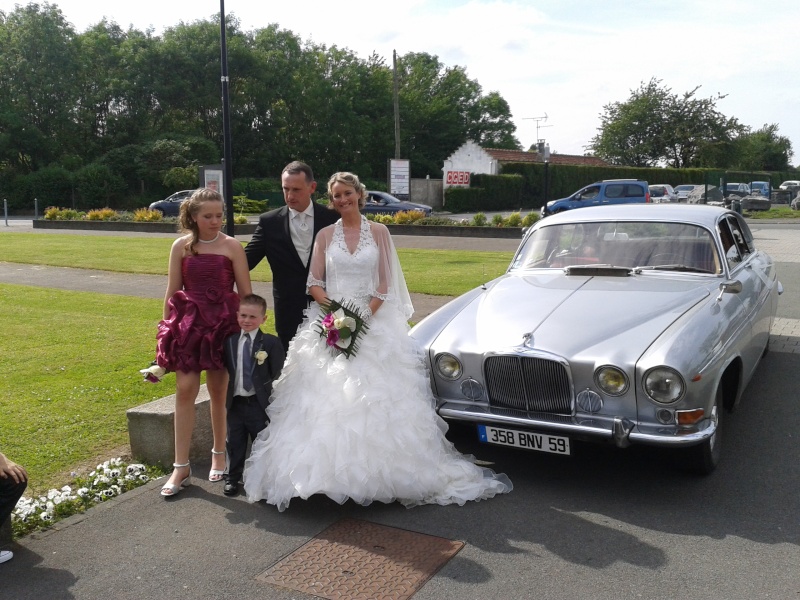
(273, 241)
(263, 374)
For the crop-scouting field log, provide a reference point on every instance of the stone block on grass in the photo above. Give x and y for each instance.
(152, 435)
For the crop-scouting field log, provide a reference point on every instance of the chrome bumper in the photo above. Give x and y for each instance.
(621, 430)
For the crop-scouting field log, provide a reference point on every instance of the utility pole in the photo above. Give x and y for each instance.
(227, 163)
(396, 106)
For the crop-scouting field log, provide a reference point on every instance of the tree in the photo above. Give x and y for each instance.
(493, 127)
(37, 85)
(657, 127)
(763, 150)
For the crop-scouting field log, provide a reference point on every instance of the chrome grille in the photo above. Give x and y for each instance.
(529, 384)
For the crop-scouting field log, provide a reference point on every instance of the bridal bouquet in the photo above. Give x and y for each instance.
(341, 326)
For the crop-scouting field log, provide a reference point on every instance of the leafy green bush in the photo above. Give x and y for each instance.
(147, 215)
(53, 213)
(101, 214)
(463, 199)
(513, 220)
(479, 220)
(530, 219)
(245, 205)
(498, 221)
(406, 217)
(98, 186)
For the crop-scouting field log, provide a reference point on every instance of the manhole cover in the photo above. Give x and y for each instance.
(354, 559)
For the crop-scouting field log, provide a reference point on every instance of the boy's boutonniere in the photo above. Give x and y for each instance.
(261, 356)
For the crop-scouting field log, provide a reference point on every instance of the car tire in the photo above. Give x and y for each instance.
(704, 458)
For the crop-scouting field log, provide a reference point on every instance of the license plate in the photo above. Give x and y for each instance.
(540, 442)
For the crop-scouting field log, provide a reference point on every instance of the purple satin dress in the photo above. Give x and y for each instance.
(201, 316)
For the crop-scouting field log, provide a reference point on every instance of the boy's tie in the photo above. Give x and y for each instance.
(247, 364)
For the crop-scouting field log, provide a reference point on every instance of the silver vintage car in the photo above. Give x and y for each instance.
(629, 324)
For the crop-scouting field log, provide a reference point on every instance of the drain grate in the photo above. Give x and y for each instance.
(355, 560)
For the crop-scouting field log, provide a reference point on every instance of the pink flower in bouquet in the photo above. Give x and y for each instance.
(333, 337)
(327, 322)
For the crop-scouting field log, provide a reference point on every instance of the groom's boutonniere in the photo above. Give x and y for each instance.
(261, 356)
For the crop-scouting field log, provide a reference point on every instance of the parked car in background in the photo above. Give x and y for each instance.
(683, 191)
(382, 203)
(739, 189)
(763, 188)
(617, 324)
(662, 192)
(792, 184)
(608, 191)
(171, 205)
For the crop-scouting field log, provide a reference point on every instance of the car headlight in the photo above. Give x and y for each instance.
(663, 385)
(448, 366)
(611, 380)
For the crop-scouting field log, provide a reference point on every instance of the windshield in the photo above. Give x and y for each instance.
(621, 244)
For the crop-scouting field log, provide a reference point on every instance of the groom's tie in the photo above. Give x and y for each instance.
(247, 364)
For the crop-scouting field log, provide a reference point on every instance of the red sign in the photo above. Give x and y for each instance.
(457, 178)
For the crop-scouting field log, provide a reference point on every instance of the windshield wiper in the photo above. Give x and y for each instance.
(676, 267)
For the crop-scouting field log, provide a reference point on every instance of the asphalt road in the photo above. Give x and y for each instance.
(601, 524)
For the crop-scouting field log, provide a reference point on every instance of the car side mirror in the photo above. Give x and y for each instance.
(729, 287)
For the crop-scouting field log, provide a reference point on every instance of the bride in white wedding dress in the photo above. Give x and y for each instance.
(362, 427)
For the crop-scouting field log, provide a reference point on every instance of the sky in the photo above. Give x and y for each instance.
(556, 62)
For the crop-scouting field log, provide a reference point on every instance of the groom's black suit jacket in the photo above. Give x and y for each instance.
(273, 241)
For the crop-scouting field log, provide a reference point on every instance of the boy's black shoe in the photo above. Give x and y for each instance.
(231, 488)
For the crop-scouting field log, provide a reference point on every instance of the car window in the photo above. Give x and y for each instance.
(729, 246)
(743, 244)
(589, 193)
(620, 243)
(633, 191)
(615, 191)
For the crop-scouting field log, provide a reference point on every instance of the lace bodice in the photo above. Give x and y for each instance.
(371, 270)
(354, 272)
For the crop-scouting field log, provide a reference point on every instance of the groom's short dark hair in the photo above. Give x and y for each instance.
(296, 167)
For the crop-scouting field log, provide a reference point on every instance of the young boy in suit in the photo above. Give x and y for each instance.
(254, 360)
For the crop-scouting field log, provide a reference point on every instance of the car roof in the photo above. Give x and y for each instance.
(700, 214)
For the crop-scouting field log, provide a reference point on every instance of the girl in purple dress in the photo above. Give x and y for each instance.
(199, 313)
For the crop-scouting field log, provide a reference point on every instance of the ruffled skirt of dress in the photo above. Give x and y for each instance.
(362, 428)
(191, 339)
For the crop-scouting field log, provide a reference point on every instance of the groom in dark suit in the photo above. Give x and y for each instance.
(285, 236)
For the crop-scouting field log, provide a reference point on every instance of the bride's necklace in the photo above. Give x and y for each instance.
(209, 241)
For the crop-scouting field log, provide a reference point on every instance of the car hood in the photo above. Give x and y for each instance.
(617, 317)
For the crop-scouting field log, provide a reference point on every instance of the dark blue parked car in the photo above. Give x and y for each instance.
(171, 205)
(381, 203)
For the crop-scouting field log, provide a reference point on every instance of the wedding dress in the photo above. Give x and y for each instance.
(362, 427)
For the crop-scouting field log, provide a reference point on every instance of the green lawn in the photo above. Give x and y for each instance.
(69, 372)
(437, 272)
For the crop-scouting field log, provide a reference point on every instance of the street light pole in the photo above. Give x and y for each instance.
(227, 163)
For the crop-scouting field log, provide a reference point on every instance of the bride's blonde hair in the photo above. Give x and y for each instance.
(350, 179)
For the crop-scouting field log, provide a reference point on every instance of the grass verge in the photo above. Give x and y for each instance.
(436, 272)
